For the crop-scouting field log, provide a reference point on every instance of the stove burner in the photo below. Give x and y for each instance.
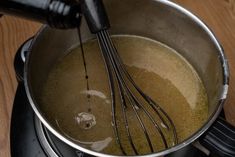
(53, 146)
(30, 138)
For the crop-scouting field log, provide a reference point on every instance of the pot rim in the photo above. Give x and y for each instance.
(186, 142)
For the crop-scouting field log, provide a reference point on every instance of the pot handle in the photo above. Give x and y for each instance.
(19, 59)
(220, 138)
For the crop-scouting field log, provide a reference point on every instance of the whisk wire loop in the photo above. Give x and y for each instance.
(118, 73)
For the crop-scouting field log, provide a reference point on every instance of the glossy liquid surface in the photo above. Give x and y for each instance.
(157, 69)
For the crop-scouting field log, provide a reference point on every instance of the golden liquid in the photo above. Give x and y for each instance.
(158, 70)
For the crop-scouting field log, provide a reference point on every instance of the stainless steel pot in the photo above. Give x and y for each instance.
(160, 20)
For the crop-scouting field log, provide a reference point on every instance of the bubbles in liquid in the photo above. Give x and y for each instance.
(158, 70)
(85, 120)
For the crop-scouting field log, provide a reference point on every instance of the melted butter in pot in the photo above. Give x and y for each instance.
(157, 69)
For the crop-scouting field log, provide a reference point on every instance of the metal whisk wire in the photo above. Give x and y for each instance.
(118, 73)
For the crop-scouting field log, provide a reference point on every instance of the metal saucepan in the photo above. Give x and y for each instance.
(160, 20)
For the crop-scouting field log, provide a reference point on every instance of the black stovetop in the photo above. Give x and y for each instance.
(29, 138)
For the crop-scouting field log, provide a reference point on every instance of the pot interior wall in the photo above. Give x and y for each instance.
(148, 18)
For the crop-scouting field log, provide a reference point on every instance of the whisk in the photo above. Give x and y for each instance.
(124, 87)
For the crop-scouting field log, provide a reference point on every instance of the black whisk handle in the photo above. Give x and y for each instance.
(95, 14)
(56, 13)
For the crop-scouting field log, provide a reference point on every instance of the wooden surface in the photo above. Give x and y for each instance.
(13, 32)
(219, 15)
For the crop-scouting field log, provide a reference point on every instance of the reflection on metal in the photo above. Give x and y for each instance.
(43, 139)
